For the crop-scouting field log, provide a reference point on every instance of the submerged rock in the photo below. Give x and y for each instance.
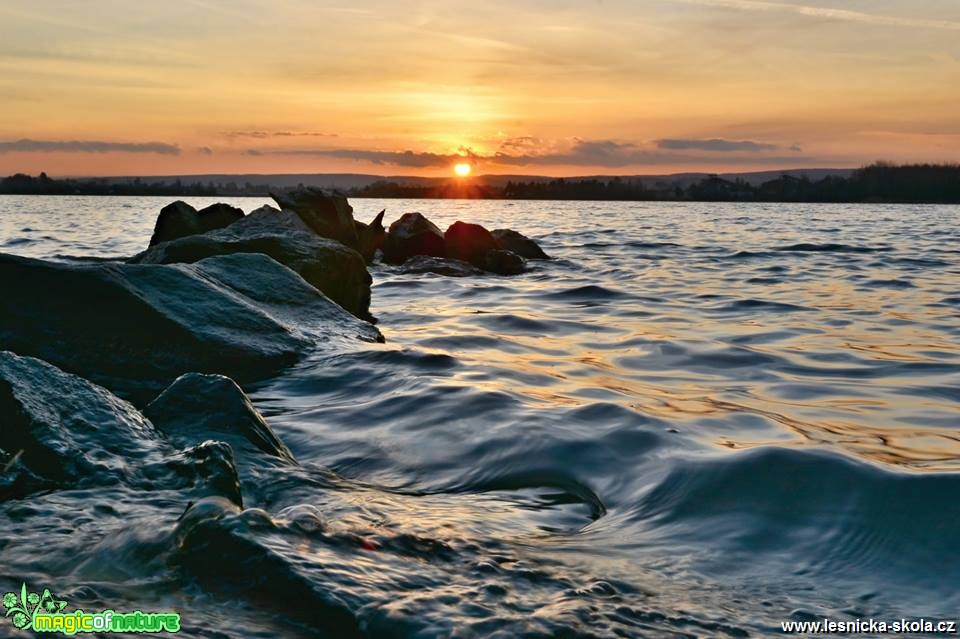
(134, 328)
(198, 407)
(469, 242)
(440, 266)
(332, 268)
(503, 263)
(181, 220)
(326, 214)
(230, 552)
(371, 237)
(515, 242)
(412, 235)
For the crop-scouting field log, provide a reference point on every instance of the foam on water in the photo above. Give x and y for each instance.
(700, 419)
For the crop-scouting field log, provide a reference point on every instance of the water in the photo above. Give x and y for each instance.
(698, 420)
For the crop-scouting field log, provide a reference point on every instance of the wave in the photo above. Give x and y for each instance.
(777, 509)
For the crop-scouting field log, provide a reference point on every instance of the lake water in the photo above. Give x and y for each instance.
(698, 420)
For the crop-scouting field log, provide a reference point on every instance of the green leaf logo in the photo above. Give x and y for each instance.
(24, 608)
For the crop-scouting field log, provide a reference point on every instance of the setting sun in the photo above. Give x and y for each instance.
(462, 170)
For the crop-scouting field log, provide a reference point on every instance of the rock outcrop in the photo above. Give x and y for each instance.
(469, 242)
(181, 220)
(413, 235)
(63, 428)
(326, 214)
(65, 432)
(515, 242)
(371, 237)
(199, 407)
(134, 328)
(332, 268)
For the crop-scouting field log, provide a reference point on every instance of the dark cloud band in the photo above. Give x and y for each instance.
(87, 146)
(720, 146)
(598, 153)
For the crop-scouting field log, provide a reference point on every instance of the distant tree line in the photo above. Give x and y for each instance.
(441, 190)
(21, 184)
(880, 182)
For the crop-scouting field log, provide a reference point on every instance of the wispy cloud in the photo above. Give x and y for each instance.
(86, 146)
(262, 135)
(397, 158)
(829, 13)
(722, 146)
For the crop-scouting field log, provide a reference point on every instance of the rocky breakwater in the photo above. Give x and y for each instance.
(127, 442)
(244, 300)
(418, 246)
(314, 234)
(176, 484)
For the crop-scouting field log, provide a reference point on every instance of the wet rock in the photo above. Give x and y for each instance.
(503, 263)
(371, 237)
(181, 220)
(63, 429)
(205, 470)
(199, 407)
(65, 432)
(134, 328)
(332, 268)
(469, 242)
(515, 242)
(326, 214)
(230, 552)
(440, 266)
(412, 235)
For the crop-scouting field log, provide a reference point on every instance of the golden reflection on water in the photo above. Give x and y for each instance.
(858, 416)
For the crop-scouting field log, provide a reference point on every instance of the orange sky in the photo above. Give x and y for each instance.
(559, 87)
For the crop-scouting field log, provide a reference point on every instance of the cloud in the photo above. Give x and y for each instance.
(397, 158)
(829, 14)
(720, 146)
(86, 146)
(523, 143)
(205, 150)
(261, 135)
(252, 152)
(588, 153)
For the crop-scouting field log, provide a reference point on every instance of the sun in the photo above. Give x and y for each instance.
(463, 169)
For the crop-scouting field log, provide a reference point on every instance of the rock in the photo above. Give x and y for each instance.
(181, 220)
(411, 235)
(326, 214)
(63, 428)
(69, 433)
(440, 266)
(199, 407)
(371, 237)
(469, 242)
(510, 240)
(503, 263)
(205, 470)
(332, 268)
(134, 328)
(246, 555)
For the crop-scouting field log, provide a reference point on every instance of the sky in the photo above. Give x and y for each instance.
(546, 87)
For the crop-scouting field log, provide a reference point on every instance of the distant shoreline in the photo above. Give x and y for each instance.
(875, 184)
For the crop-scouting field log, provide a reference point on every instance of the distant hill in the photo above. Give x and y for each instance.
(880, 182)
(348, 181)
